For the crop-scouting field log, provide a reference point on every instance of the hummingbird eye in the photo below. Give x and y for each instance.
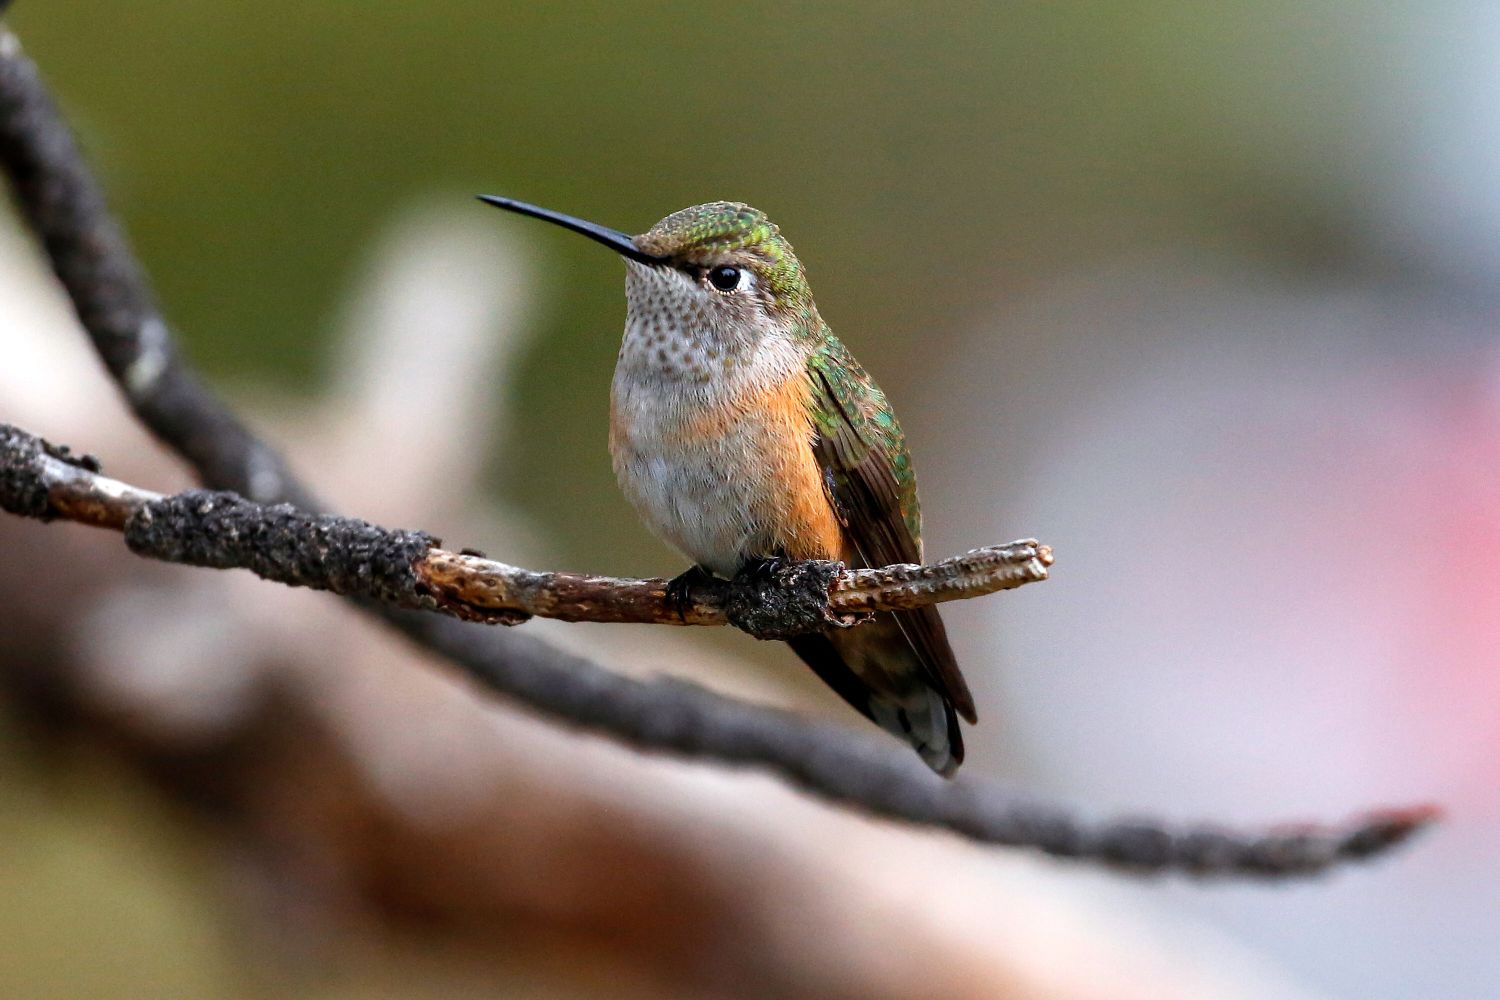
(726, 277)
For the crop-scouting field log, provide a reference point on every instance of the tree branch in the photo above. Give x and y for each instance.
(792, 600)
(63, 204)
(354, 558)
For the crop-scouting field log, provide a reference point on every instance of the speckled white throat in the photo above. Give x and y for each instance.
(693, 366)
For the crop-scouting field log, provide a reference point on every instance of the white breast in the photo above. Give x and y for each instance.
(688, 452)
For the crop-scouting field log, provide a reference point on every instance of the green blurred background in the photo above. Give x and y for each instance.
(953, 176)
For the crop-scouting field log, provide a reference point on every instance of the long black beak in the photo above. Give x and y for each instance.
(620, 243)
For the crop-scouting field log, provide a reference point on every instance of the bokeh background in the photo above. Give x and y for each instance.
(1202, 295)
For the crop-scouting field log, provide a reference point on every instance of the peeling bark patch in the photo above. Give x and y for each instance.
(24, 487)
(22, 490)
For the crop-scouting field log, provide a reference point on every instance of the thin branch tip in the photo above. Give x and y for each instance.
(1389, 827)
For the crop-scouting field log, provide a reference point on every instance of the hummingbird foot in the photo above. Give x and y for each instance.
(763, 570)
(778, 598)
(679, 596)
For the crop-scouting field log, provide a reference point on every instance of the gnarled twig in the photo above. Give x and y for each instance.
(483, 587)
(354, 558)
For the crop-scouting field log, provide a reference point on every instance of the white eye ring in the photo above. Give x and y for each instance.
(729, 278)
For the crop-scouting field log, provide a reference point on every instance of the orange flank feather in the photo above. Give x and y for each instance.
(793, 510)
(799, 513)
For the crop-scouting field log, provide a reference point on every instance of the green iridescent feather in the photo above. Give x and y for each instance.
(862, 451)
(730, 226)
(864, 440)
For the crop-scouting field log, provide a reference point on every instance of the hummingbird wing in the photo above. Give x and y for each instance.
(868, 474)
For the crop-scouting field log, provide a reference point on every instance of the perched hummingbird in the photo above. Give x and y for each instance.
(743, 430)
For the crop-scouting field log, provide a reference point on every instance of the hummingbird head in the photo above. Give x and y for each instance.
(733, 254)
(721, 272)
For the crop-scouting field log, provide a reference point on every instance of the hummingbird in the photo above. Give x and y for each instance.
(743, 431)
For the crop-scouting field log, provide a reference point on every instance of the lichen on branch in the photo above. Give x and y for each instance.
(409, 569)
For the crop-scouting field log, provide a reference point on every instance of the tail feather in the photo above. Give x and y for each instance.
(875, 669)
(928, 722)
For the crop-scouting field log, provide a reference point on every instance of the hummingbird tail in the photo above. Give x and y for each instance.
(928, 723)
(875, 672)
